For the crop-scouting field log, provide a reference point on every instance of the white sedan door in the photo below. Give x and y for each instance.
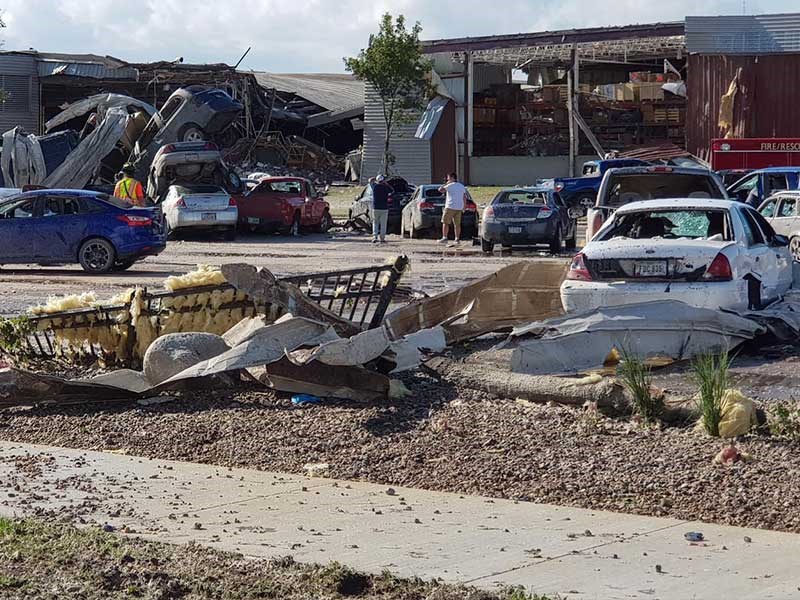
(785, 220)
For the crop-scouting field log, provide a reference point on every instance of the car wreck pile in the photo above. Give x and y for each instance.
(332, 335)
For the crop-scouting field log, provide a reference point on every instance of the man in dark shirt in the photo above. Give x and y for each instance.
(380, 209)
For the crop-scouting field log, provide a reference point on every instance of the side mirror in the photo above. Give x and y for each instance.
(780, 241)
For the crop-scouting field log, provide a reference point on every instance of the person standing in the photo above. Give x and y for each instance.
(380, 209)
(128, 188)
(453, 208)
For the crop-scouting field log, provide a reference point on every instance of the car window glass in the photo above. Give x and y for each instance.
(768, 210)
(766, 228)
(20, 210)
(522, 197)
(52, 207)
(746, 185)
(788, 208)
(676, 224)
(777, 181)
(751, 231)
(170, 107)
(589, 170)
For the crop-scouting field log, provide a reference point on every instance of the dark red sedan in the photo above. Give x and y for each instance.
(285, 204)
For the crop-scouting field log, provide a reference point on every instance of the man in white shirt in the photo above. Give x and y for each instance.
(453, 207)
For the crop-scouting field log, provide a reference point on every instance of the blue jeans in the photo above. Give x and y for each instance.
(380, 221)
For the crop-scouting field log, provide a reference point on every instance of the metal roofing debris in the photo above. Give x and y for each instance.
(334, 92)
(643, 41)
(743, 34)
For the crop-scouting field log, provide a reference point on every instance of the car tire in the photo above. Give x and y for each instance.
(586, 201)
(555, 243)
(97, 255)
(794, 247)
(326, 224)
(294, 230)
(572, 241)
(230, 234)
(487, 246)
(191, 132)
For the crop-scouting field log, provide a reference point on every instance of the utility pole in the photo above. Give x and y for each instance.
(572, 87)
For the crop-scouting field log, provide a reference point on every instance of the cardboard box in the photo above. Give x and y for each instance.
(650, 91)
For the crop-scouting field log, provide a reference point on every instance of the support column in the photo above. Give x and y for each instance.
(468, 110)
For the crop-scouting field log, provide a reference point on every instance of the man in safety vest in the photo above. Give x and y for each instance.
(128, 188)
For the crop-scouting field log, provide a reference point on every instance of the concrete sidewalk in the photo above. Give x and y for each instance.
(548, 549)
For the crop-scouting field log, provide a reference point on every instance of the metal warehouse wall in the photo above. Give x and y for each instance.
(413, 156)
(19, 78)
(766, 104)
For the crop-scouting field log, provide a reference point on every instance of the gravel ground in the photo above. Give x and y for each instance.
(457, 440)
(45, 561)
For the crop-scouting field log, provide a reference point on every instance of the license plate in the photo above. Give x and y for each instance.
(192, 157)
(650, 269)
(208, 216)
(253, 220)
(515, 230)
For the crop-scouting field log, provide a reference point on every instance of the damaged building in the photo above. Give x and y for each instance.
(512, 109)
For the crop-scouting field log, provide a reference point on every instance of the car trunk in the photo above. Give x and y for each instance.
(652, 259)
(517, 212)
(204, 197)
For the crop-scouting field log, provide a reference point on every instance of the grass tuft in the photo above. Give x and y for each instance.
(635, 376)
(711, 373)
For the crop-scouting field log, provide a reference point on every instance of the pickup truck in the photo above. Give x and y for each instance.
(582, 191)
(759, 185)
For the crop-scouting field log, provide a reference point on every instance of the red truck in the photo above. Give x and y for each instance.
(754, 153)
(285, 204)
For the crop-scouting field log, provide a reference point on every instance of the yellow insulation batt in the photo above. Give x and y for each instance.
(202, 276)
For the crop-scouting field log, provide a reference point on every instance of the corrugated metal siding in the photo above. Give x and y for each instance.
(444, 157)
(18, 77)
(745, 34)
(412, 156)
(765, 105)
(485, 76)
(89, 70)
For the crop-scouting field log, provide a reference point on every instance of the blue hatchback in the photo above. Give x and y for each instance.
(99, 232)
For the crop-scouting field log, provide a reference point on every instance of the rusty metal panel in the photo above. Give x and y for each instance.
(764, 106)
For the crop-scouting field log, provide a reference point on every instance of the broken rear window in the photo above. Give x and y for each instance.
(283, 187)
(691, 224)
(523, 197)
(626, 188)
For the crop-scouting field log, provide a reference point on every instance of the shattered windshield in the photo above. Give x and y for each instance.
(694, 224)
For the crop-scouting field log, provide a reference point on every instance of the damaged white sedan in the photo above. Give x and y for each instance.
(706, 253)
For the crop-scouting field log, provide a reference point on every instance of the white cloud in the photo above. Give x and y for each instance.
(306, 35)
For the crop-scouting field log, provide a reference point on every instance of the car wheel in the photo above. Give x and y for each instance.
(555, 243)
(326, 223)
(794, 248)
(572, 241)
(587, 201)
(97, 256)
(230, 234)
(295, 229)
(487, 246)
(191, 132)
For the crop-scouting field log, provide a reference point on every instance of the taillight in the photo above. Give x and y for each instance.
(168, 148)
(578, 270)
(719, 269)
(181, 203)
(488, 213)
(544, 213)
(470, 206)
(232, 201)
(659, 169)
(425, 206)
(135, 220)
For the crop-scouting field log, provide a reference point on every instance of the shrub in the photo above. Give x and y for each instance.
(784, 420)
(712, 377)
(635, 376)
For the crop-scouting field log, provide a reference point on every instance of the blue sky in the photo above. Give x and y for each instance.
(308, 35)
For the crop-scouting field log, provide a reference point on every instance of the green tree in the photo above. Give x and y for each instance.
(394, 65)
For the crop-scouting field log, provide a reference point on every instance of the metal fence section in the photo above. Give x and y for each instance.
(361, 296)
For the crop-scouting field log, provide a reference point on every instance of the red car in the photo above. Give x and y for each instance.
(285, 204)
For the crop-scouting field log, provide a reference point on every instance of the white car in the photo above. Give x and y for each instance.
(706, 253)
(200, 206)
(782, 211)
